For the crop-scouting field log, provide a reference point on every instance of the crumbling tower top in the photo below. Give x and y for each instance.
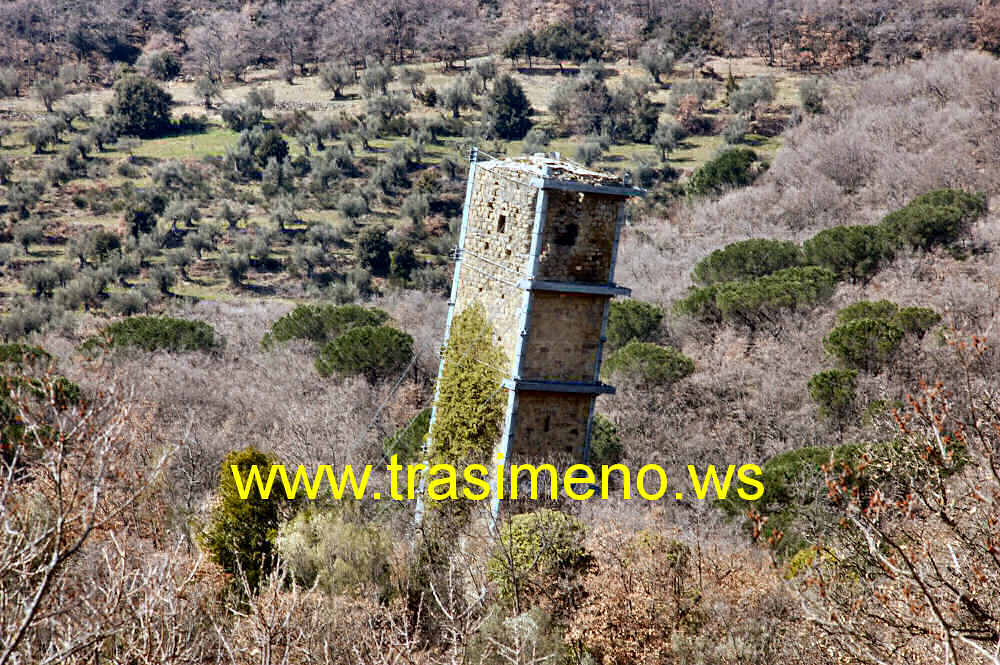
(552, 170)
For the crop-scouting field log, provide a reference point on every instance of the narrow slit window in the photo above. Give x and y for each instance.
(501, 223)
(566, 236)
(548, 421)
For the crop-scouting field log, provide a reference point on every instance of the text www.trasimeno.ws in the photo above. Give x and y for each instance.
(475, 483)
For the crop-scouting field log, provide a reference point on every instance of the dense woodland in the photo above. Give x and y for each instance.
(227, 235)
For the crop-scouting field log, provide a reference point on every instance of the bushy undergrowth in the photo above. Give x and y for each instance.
(650, 364)
(868, 334)
(156, 333)
(321, 323)
(749, 281)
(759, 301)
(746, 259)
(28, 371)
(537, 553)
(736, 167)
(408, 442)
(632, 320)
(376, 352)
(241, 533)
(793, 491)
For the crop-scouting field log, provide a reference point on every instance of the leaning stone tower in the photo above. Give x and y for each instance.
(537, 249)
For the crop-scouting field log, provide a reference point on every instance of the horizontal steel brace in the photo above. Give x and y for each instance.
(558, 386)
(609, 290)
(571, 186)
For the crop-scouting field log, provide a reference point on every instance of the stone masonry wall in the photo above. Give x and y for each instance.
(497, 245)
(578, 237)
(550, 423)
(564, 332)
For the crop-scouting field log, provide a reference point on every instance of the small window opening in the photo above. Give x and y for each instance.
(501, 223)
(548, 420)
(567, 235)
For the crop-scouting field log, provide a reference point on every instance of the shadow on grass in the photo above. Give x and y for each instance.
(258, 289)
(548, 71)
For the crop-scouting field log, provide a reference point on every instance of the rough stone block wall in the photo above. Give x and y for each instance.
(564, 332)
(550, 422)
(564, 329)
(578, 238)
(496, 253)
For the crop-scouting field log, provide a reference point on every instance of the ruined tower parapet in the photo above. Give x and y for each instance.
(537, 250)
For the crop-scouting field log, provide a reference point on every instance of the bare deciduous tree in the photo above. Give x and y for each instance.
(76, 475)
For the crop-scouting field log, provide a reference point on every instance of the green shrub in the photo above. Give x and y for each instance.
(21, 355)
(469, 407)
(745, 260)
(758, 301)
(238, 117)
(373, 351)
(911, 320)
(538, 555)
(973, 205)
(605, 445)
(632, 319)
(140, 108)
(562, 41)
(155, 333)
(338, 556)
(736, 167)
(241, 532)
(700, 304)
(373, 250)
(916, 320)
(649, 363)
(321, 323)
(867, 309)
(782, 502)
(508, 111)
(865, 344)
(101, 243)
(924, 227)
(408, 442)
(404, 262)
(850, 252)
(162, 65)
(936, 218)
(271, 145)
(833, 392)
